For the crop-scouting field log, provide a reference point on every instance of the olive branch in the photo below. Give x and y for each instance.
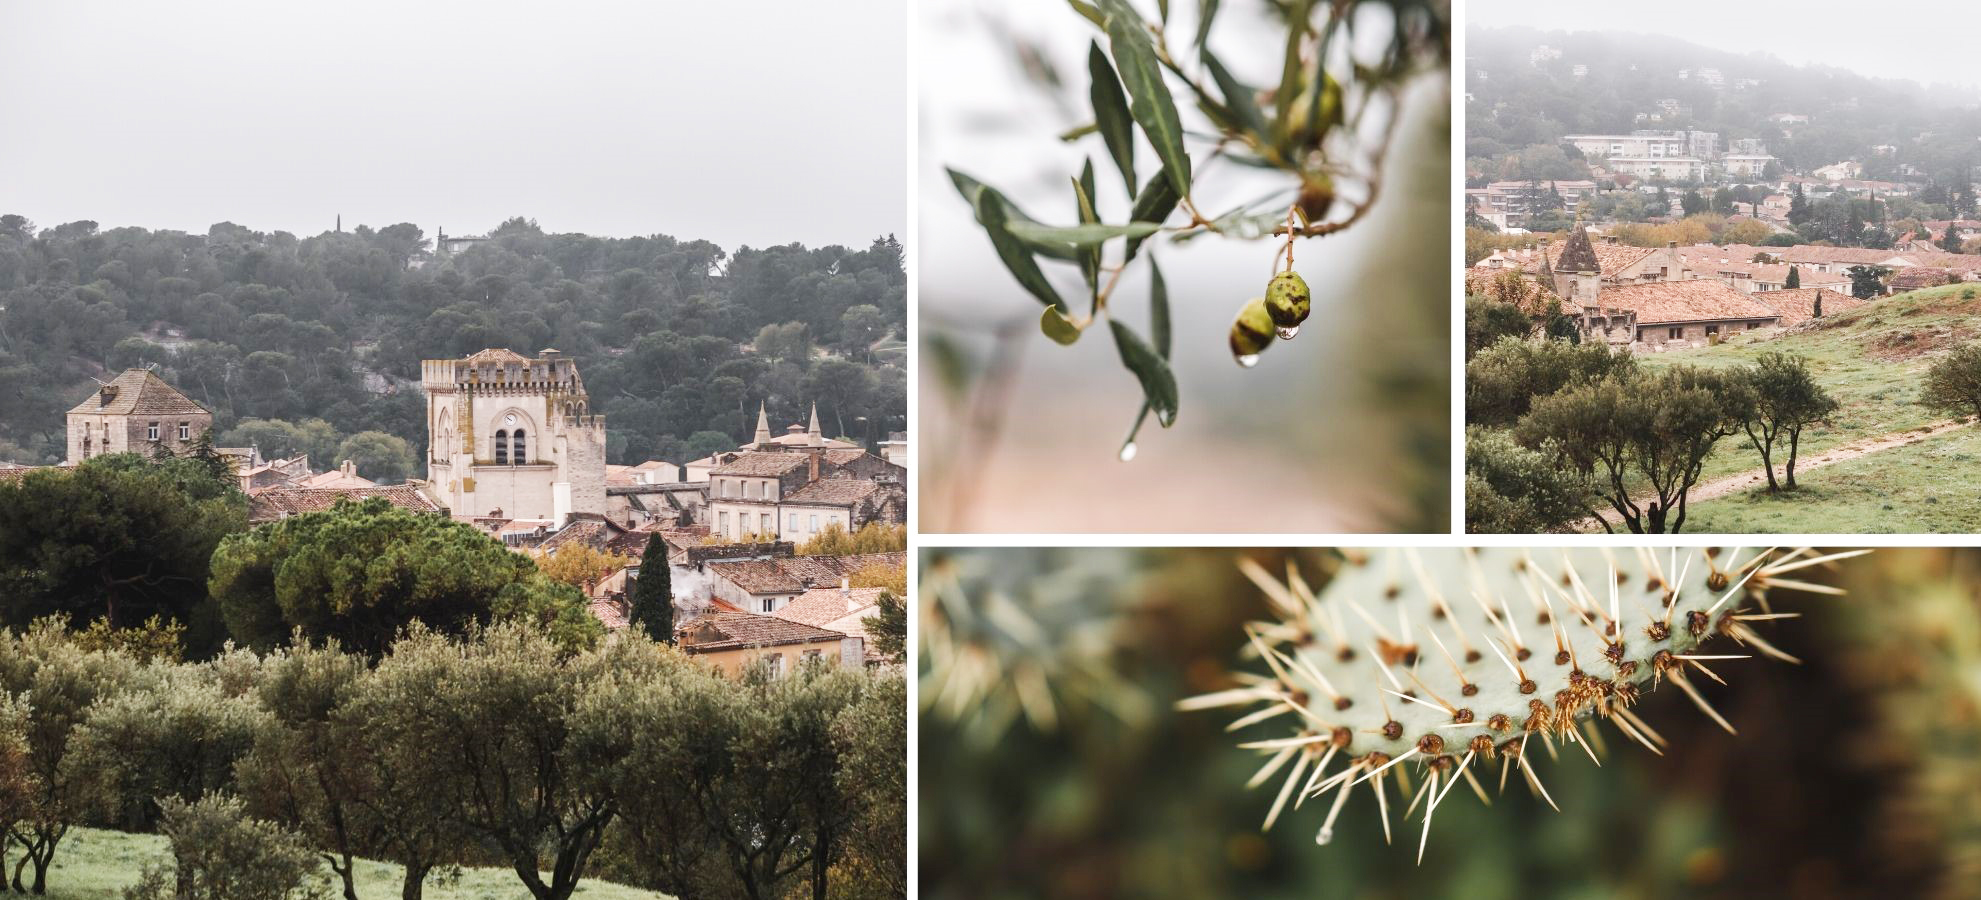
(1313, 127)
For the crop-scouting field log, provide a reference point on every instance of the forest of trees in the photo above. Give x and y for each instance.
(312, 344)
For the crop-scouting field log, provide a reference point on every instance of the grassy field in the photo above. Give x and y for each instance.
(94, 865)
(1871, 359)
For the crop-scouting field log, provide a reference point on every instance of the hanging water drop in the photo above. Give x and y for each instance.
(1248, 360)
(1128, 451)
(1287, 334)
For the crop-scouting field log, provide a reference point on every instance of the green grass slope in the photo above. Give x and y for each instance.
(94, 864)
(1872, 360)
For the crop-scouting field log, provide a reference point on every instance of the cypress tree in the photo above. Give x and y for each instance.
(653, 593)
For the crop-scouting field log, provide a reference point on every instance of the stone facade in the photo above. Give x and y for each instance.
(137, 412)
(514, 434)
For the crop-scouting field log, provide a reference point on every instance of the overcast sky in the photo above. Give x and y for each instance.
(761, 123)
(1890, 41)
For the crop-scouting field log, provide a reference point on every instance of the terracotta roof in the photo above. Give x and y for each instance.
(138, 392)
(1698, 300)
(1797, 305)
(843, 456)
(729, 631)
(279, 503)
(820, 607)
(797, 574)
(610, 612)
(336, 478)
(762, 464)
(1577, 255)
(833, 492)
(1612, 259)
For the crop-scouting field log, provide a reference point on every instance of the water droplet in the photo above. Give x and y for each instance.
(1128, 451)
(1249, 360)
(1287, 334)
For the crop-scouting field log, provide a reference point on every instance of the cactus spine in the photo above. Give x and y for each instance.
(1440, 661)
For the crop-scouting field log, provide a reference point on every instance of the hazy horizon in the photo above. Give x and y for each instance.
(1787, 34)
(734, 124)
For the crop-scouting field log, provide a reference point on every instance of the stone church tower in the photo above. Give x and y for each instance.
(512, 436)
(1577, 272)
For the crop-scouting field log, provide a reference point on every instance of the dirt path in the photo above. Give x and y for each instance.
(1758, 477)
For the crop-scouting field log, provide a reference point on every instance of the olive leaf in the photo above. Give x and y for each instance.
(971, 188)
(1238, 97)
(1081, 235)
(1090, 255)
(1111, 116)
(1158, 383)
(1088, 11)
(992, 212)
(1150, 102)
(1158, 334)
(1157, 200)
(1289, 78)
(1206, 11)
(1057, 326)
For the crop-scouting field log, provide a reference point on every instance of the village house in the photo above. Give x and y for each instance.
(766, 584)
(734, 642)
(1663, 315)
(136, 412)
(843, 609)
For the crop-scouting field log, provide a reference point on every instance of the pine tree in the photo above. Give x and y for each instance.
(1794, 278)
(1798, 207)
(1950, 241)
(653, 593)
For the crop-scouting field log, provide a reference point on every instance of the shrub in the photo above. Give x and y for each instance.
(1510, 489)
(1953, 382)
(1502, 382)
(220, 853)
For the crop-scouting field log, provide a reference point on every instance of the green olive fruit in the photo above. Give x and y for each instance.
(1287, 299)
(1252, 332)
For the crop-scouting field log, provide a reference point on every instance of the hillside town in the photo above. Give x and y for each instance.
(515, 450)
(1670, 236)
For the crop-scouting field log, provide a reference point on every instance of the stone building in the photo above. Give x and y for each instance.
(137, 412)
(512, 437)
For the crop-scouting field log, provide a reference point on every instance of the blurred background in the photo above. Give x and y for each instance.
(1343, 429)
(1052, 764)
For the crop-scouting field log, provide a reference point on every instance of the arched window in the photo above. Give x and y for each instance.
(502, 448)
(522, 449)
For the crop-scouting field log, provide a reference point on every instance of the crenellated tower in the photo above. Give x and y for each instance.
(512, 436)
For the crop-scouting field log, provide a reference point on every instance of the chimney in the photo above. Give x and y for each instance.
(813, 453)
(846, 594)
(349, 468)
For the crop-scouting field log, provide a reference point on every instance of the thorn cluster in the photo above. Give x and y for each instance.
(1444, 660)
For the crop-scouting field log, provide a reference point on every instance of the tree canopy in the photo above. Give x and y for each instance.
(360, 572)
(308, 343)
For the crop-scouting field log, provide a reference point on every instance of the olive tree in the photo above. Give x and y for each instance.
(1650, 430)
(1786, 399)
(63, 682)
(492, 714)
